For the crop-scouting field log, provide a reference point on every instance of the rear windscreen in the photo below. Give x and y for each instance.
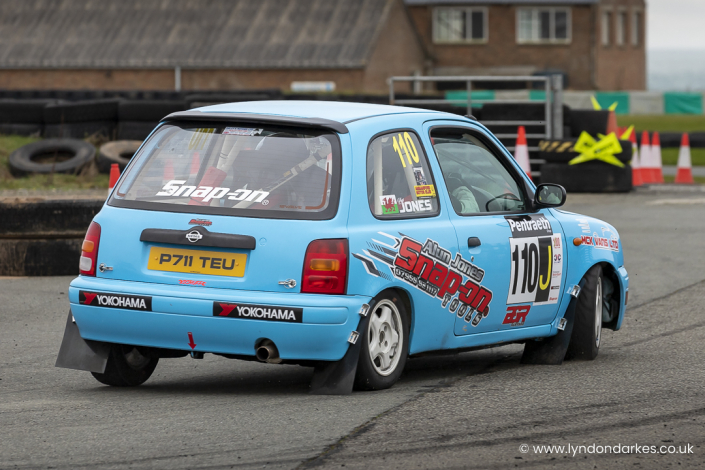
(255, 171)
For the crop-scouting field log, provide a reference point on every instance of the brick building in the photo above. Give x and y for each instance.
(596, 44)
(355, 44)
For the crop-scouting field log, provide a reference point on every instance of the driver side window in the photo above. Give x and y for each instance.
(477, 182)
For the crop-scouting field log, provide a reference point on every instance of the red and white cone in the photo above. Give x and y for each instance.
(684, 174)
(656, 158)
(521, 151)
(636, 164)
(114, 176)
(646, 165)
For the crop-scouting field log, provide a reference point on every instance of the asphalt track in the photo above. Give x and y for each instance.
(471, 410)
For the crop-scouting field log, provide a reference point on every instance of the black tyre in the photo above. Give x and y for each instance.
(587, 328)
(385, 344)
(119, 151)
(82, 111)
(126, 367)
(22, 129)
(592, 122)
(51, 156)
(148, 110)
(135, 130)
(561, 151)
(23, 111)
(81, 130)
(589, 177)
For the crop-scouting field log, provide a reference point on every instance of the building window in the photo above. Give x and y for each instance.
(606, 22)
(621, 28)
(543, 25)
(460, 25)
(636, 27)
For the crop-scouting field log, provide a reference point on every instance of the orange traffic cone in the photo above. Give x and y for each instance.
(646, 174)
(612, 124)
(114, 175)
(636, 164)
(656, 159)
(521, 151)
(684, 175)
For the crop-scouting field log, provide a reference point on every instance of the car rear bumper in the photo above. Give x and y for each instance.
(179, 313)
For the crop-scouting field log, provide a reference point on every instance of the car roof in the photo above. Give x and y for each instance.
(339, 111)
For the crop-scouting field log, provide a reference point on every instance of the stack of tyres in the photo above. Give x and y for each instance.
(138, 118)
(589, 177)
(44, 238)
(81, 119)
(22, 116)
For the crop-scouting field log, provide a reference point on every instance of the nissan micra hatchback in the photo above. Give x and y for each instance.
(347, 237)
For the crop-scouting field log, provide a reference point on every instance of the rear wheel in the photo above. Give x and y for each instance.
(126, 367)
(587, 329)
(385, 344)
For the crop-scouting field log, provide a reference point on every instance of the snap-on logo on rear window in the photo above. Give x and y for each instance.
(102, 299)
(258, 312)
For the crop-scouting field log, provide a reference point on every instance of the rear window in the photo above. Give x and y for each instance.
(235, 169)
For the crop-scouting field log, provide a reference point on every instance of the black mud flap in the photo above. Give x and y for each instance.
(551, 351)
(337, 378)
(80, 354)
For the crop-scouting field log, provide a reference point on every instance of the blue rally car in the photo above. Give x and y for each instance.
(346, 237)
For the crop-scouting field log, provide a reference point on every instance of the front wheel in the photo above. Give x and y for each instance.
(587, 329)
(385, 344)
(126, 367)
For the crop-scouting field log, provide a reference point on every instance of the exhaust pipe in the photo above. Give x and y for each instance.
(267, 352)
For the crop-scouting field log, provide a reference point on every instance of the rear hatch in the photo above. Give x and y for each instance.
(223, 205)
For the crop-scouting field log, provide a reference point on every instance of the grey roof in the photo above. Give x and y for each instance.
(189, 33)
(501, 2)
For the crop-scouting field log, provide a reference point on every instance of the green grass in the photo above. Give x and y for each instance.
(89, 178)
(698, 179)
(670, 156)
(664, 123)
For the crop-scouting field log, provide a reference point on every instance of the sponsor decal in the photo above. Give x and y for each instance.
(516, 315)
(419, 176)
(241, 131)
(204, 222)
(258, 312)
(389, 204)
(534, 225)
(193, 236)
(536, 256)
(177, 188)
(104, 299)
(425, 190)
(432, 269)
(189, 282)
(594, 240)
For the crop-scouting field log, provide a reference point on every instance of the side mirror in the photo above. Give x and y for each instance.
(549, 195)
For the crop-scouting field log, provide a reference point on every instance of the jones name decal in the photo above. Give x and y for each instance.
(433, 270)
(102, 299)
(258, 312)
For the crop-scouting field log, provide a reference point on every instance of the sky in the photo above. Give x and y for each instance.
(676, 24)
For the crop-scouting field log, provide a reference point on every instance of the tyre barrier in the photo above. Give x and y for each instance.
(118, 151)
(135, 130)
(592, 122)
(561, 151)
(44, 238)
(79, 154)
(81, 119)
(151, 111)
(589, 177)
(23, 117)
(81, 130)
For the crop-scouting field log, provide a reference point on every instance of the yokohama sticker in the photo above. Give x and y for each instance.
(430, 268)
(536, 260)
(103, 299)
(258, 312)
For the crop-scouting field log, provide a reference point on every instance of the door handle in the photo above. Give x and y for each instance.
(473, 242)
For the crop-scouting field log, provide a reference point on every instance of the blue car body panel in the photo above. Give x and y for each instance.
(179, 312)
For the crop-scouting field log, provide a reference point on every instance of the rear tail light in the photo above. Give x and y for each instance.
(89, 250)
(325, 267)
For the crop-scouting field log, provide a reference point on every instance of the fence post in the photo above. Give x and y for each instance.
(469, 87)
(547, 88)
(557, 82)
(391, 90)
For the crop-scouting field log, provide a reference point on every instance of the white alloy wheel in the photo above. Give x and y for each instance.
(598, 312)
(385, 335)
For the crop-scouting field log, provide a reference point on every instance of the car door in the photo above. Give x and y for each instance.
(399, 233)
(515, 253)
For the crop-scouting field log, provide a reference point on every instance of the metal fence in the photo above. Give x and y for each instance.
(553, 102)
